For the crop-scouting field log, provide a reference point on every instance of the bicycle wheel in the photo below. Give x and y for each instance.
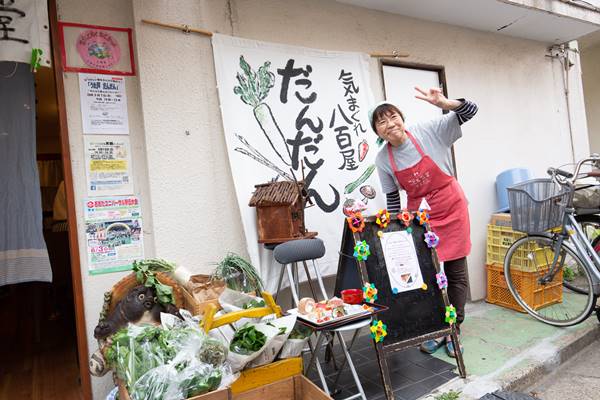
(590, 225)
(539, 290)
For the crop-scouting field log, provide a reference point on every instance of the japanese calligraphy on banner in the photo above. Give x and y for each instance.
(285, 107)
(113, 232)
(23, 27)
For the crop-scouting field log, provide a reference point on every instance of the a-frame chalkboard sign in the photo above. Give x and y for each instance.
(413, 316)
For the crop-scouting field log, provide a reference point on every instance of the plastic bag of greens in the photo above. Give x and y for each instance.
(157, 384)
(199, 378)
(284, 327)
(296, 341)
(133, 351)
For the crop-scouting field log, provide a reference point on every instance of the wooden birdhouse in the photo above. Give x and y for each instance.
(279, 211)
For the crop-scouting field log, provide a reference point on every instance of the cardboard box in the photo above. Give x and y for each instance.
(297, 387)
(501, 219)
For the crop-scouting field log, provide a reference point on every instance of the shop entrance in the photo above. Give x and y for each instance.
(38, 318)
(44, 352)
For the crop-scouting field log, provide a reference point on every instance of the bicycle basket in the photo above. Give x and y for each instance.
(537, 205)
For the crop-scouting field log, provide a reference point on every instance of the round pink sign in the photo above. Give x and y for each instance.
(98, 49)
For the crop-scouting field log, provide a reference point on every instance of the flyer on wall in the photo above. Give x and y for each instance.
(103, 104)
(113, 230)
(108, 166)
(401, 261)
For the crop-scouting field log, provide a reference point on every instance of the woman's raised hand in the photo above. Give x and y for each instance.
(436, 97)
(433, 96)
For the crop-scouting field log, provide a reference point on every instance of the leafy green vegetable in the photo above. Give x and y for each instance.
(253, 304)
(201, 383)
(213, 352)
(145, 271)
(247, 340)
(300, 332)
(238, 274)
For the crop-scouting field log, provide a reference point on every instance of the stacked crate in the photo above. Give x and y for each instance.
(500, 237)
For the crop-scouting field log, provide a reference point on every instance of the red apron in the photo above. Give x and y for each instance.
(449, 216)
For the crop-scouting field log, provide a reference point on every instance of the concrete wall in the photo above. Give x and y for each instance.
(590, 59)
(181, 168)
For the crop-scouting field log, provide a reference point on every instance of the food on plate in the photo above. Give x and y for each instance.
(306, 305)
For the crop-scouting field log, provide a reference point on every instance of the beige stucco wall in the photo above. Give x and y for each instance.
(181, 167)
(108, 13)
(590, 59)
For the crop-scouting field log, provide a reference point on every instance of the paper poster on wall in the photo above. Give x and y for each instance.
(401, 261)
(103, 104)
(108, 166)
(113, 230)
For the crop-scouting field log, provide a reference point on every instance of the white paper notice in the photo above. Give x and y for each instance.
(108, 166)
(113, 232)
(401, 261)
(103, 104)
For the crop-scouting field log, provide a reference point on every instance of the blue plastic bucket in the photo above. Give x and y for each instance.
(506, 179)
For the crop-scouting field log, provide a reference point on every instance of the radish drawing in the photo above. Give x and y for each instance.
(253, 89)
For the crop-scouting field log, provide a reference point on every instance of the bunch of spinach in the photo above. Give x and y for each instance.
(145, 273)
(247, 340)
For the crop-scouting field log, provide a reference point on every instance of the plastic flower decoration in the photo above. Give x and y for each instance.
(431, 239)
(383, 218)
(423, 216)
(378, 331)
(450, 314)
(361, 251)
(442, 280)
(356, 222)
(369, 292)
(406, 217)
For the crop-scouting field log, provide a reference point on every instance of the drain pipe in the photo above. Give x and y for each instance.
(561, 52)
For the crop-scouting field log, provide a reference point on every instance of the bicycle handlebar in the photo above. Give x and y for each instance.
(566, 178)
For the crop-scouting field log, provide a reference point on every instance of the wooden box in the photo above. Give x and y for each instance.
(279, 211)
(221, 394)
(297, 387)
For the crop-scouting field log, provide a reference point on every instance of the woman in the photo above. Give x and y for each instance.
(417, 159)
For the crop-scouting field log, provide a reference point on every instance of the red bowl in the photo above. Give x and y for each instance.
(352, 296)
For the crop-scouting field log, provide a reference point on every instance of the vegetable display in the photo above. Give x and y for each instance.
(253, 304)
(238, 274)
(247, 340)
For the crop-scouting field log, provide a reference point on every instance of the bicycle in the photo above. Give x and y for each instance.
(553, 272)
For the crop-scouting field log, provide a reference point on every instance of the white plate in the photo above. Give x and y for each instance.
(352, 311)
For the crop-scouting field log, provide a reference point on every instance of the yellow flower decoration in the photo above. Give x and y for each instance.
(450, 314)
(378, 331)
(369, 292)
(383, 218)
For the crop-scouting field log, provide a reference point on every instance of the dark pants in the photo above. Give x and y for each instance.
(456, 272)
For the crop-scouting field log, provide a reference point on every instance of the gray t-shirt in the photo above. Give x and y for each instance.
(435, 138)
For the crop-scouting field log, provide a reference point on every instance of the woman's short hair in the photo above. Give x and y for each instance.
(382, 110)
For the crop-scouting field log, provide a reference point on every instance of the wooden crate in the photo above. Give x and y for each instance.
(526, 283)
(221, 394)
(256, 377)
(297, 387)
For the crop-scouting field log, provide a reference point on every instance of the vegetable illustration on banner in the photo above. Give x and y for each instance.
(293, 113)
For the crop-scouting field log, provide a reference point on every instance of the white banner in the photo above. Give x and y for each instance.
(24, 26)
(284, 107)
